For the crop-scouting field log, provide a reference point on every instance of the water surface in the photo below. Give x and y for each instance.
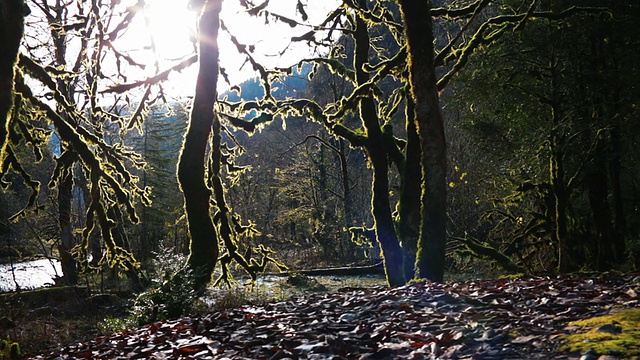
(28, 275)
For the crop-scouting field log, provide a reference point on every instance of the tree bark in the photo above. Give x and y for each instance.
(615, 163)
(613, 113)
(598, 176)
(392, 253)
(203, 246)
(559, 187)
(67, 241)
(560, 202)
(409, 205)
(65, 187)
(597, 186)
(346, 246)
(12, 13)
(430, 259)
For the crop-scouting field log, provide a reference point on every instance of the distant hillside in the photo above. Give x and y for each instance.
(289, 87)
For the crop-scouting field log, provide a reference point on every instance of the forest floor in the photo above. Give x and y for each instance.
(559, 317)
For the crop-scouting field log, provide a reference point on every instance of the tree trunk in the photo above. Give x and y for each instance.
(620, 222)
(430, 259)
(598, 194)
(613, 112)
(409, 206)
(67, 241)
(65, 187)
(346, 246)
(597, 176)
(203, 247)
(95, 242)
(392, 253)
(559, 188)
(561, 200)
(12, 14)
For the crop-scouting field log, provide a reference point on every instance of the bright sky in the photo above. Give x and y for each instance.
(172, 26)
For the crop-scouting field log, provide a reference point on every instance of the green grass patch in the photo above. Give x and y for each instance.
(623, 341)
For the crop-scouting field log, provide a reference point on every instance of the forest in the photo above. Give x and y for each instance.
(429, 142)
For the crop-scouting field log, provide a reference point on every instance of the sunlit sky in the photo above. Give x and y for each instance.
(172, 25)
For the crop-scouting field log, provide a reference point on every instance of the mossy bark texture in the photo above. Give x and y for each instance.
(430, 259)
(392, 253)
(12, 13)
(191, 168)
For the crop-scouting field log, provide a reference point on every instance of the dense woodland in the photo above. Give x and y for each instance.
(440, 138)
(338, 156)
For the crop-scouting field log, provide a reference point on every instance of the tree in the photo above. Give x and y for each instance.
(192, 178)
(55, 19)
(540, 102)
(159, 144)
(467, 27)
(12, 14)
(427, 115)
(78, 84)
(301, 189)
(203, 185)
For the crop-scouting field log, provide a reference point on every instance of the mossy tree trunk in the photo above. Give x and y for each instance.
(192, 178)
(430, 258)
(409, 214)
(12, 14)
(419, 224)
(376, 150)
(559, 187)
(67, 242)
(65, 185)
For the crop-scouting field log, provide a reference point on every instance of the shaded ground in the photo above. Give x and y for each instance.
(489, 319)
(41, 319)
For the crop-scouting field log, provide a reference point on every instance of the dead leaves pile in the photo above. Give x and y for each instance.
(484, 319)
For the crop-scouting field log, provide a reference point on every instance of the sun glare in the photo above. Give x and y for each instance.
(171, 27)
(166, 33)
(270, 39)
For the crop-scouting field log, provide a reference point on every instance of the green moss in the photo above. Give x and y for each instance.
(9, 349)
(625, 342)
(516, 276)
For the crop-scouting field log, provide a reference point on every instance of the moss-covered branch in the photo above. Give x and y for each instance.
(463, 12)
(493, 28)
(108, 176)
(445, 52)
(485, 251)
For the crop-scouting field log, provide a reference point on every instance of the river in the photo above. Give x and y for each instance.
(29, 274)
(39, 273)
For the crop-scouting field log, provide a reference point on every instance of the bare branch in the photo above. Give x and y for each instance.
(464, 12)
(153, 80)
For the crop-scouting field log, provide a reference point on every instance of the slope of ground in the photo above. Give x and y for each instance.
(484, 319)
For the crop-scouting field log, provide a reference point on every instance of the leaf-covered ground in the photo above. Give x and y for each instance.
(482, 319)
